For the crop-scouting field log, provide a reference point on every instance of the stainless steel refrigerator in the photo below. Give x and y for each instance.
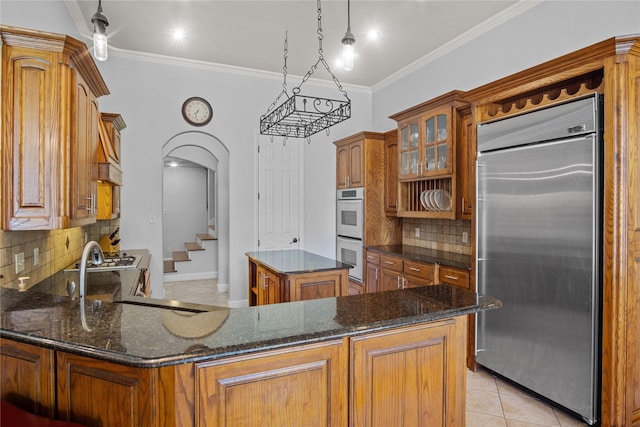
(538, 251)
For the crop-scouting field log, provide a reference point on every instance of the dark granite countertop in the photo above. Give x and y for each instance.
(293, 261)
(434, 256)
(152, 336)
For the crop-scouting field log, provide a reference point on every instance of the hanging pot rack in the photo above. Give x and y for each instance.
(300, 116)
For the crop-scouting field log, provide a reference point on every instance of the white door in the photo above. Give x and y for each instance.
(279, 199)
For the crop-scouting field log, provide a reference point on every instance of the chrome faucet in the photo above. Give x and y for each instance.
(91, 249)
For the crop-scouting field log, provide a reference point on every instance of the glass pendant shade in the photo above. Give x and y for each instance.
(347, 56)
(100, 51)
(100, 23)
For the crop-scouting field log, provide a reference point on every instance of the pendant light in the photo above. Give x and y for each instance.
(100, 23)
(347, 43)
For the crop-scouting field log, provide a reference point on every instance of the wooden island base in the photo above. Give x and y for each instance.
(294, 275)
(405, 376)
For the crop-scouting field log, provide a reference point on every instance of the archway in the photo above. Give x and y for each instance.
(210, 153)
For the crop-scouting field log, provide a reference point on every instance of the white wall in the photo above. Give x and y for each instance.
(542, 33)
(185, 207)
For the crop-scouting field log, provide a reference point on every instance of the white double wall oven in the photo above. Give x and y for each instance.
(350, 229)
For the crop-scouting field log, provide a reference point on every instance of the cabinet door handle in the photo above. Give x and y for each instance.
(376, 273)
(389, 262)
(403, 281)
(450, 277)
(398, 281)
(464, 204)
(414, 269)
(92, 203)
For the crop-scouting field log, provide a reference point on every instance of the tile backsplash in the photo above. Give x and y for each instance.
(441, 234)
(57, 249)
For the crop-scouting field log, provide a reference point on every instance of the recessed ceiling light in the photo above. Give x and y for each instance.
(178, 33)
(373, 34)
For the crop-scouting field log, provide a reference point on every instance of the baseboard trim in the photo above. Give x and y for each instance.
(223, 287)
(238, 303)
(181, 277)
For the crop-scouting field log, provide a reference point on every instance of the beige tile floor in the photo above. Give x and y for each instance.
(491, 402)
(196, 291)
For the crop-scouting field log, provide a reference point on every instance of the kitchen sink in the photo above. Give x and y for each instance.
(170, 305)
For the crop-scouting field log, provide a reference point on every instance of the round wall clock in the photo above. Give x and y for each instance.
(197, 111)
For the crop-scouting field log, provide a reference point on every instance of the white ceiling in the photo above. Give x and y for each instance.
(250, 34)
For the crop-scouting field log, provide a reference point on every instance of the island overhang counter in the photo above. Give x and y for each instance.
(290, 362)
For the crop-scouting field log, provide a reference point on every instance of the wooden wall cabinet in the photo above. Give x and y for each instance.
(50, 87)
(84, 154)
(378, 228)
(466, 167)
(429, 136)
(350, 165)
(106, 209)
(425, 141)
(109, 171)
(108, 201)
(391, 172)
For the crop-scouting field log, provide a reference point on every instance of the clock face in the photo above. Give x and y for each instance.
(197, 111)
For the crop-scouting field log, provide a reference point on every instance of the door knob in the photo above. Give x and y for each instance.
(295, 240)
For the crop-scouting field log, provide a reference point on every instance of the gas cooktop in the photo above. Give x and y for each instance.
(112, 261)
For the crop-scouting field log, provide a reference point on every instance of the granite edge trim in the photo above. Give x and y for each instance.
(248, 348)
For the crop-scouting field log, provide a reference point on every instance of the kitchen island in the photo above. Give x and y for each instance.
(294, 275)
(394, 356)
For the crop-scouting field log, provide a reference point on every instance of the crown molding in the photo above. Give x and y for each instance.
(495, 21)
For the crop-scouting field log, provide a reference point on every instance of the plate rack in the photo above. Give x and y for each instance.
(409, 204)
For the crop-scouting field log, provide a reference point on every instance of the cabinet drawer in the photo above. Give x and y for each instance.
(453, 276)
(391, 263)
(373, 257)
(418, 269)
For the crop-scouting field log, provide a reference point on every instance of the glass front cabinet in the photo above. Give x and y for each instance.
(427, 135)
